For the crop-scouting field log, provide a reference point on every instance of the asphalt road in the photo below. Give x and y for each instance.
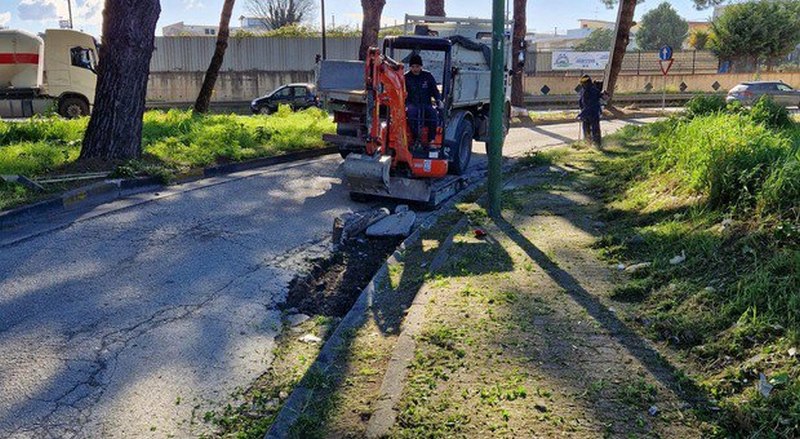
(119, 321)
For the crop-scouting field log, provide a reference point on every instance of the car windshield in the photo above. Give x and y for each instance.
(739, 88)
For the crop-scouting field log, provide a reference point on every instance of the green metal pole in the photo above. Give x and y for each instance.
(497, 108)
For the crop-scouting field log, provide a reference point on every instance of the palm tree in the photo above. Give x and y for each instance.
(204, 98)
(371, 25)
(115, 128)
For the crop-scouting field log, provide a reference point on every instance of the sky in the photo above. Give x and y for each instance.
(543, 15)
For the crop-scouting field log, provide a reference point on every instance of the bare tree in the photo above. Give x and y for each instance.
(434, 8)
(204, 98)
(371, 25)
(275, 14)
(518, 53)
(115, 128)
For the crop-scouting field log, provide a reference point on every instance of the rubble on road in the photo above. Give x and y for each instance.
(399, 224)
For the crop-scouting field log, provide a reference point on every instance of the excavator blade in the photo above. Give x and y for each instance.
(370, 176)
(365, 174)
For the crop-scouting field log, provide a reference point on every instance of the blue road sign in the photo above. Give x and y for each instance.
(665, 53)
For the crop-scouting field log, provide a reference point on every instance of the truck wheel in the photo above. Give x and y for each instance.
(72, 107)
(463, 148)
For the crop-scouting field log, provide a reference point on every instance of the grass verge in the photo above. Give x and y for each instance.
(705, 208)
(174, 142)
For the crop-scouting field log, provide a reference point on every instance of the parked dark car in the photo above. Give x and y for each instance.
(297, 96)
(748, 93)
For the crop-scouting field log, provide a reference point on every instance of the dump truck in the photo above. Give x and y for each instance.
(56, 69)
(367, 99)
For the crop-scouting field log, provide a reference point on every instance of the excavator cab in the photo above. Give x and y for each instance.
(437, 55)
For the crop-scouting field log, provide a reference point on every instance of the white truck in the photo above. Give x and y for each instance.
(57, 68)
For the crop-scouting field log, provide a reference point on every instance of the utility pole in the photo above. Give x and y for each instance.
(69, 8)
(496, 109)
(324, 40)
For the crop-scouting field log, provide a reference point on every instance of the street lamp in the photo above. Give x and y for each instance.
(324, 41)
(69, 8)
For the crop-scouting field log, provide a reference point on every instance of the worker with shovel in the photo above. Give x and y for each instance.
(591, 108)
(421, 89)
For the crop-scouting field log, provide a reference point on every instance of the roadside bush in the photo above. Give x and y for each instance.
(702, 105)
(726, 157)
(767, 112)
(781, 191)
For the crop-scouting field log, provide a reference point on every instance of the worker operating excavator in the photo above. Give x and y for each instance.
(421, 92)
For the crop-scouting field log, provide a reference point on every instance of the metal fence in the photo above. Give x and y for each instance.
(192, 54)
(645, 63)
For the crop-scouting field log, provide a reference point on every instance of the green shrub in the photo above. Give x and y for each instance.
(726, 157)
(781, 191)
(767, 112)
(703, 105)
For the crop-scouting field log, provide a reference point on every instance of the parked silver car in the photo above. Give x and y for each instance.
(749, 92)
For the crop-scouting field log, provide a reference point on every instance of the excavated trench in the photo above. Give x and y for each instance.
(334, 282)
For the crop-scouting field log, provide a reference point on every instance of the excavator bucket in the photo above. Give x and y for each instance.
(366, 174)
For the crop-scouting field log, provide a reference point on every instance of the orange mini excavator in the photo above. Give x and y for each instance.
(390, 164)
(368, 102)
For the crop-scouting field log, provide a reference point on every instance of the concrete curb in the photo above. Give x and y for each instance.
(96, 193)
(109, 190)
(394, 379)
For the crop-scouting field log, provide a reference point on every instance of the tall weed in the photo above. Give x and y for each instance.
(726, 157)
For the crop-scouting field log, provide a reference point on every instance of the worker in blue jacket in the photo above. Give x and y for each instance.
(421, 93)
(590, 102)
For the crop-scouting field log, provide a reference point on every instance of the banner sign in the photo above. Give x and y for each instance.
(580, 60)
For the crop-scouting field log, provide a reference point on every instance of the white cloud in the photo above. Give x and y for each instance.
(5, 17)
(41, 10)
(89, 12)
(193, 4)
(84, 12)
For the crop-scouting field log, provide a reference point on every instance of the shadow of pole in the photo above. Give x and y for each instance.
(636, 345)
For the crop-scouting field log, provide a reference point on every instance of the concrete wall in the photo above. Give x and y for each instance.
(565, 84)
(183, 87)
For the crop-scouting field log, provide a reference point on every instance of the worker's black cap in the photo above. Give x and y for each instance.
(586, 79)
(415, 60)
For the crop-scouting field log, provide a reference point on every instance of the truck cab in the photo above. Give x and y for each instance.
(55, 69)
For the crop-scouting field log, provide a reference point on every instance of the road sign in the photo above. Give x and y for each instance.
(665, 65)
(665, 53)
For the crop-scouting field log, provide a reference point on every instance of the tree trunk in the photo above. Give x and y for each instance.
(434, 8)
(519, 48)
(371, 25)
(115, 128)
(204, 98)
(621, 40)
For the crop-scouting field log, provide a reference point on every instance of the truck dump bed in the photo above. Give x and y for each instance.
(340, 80)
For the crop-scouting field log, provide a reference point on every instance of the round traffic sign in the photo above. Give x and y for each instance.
(665, 53)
